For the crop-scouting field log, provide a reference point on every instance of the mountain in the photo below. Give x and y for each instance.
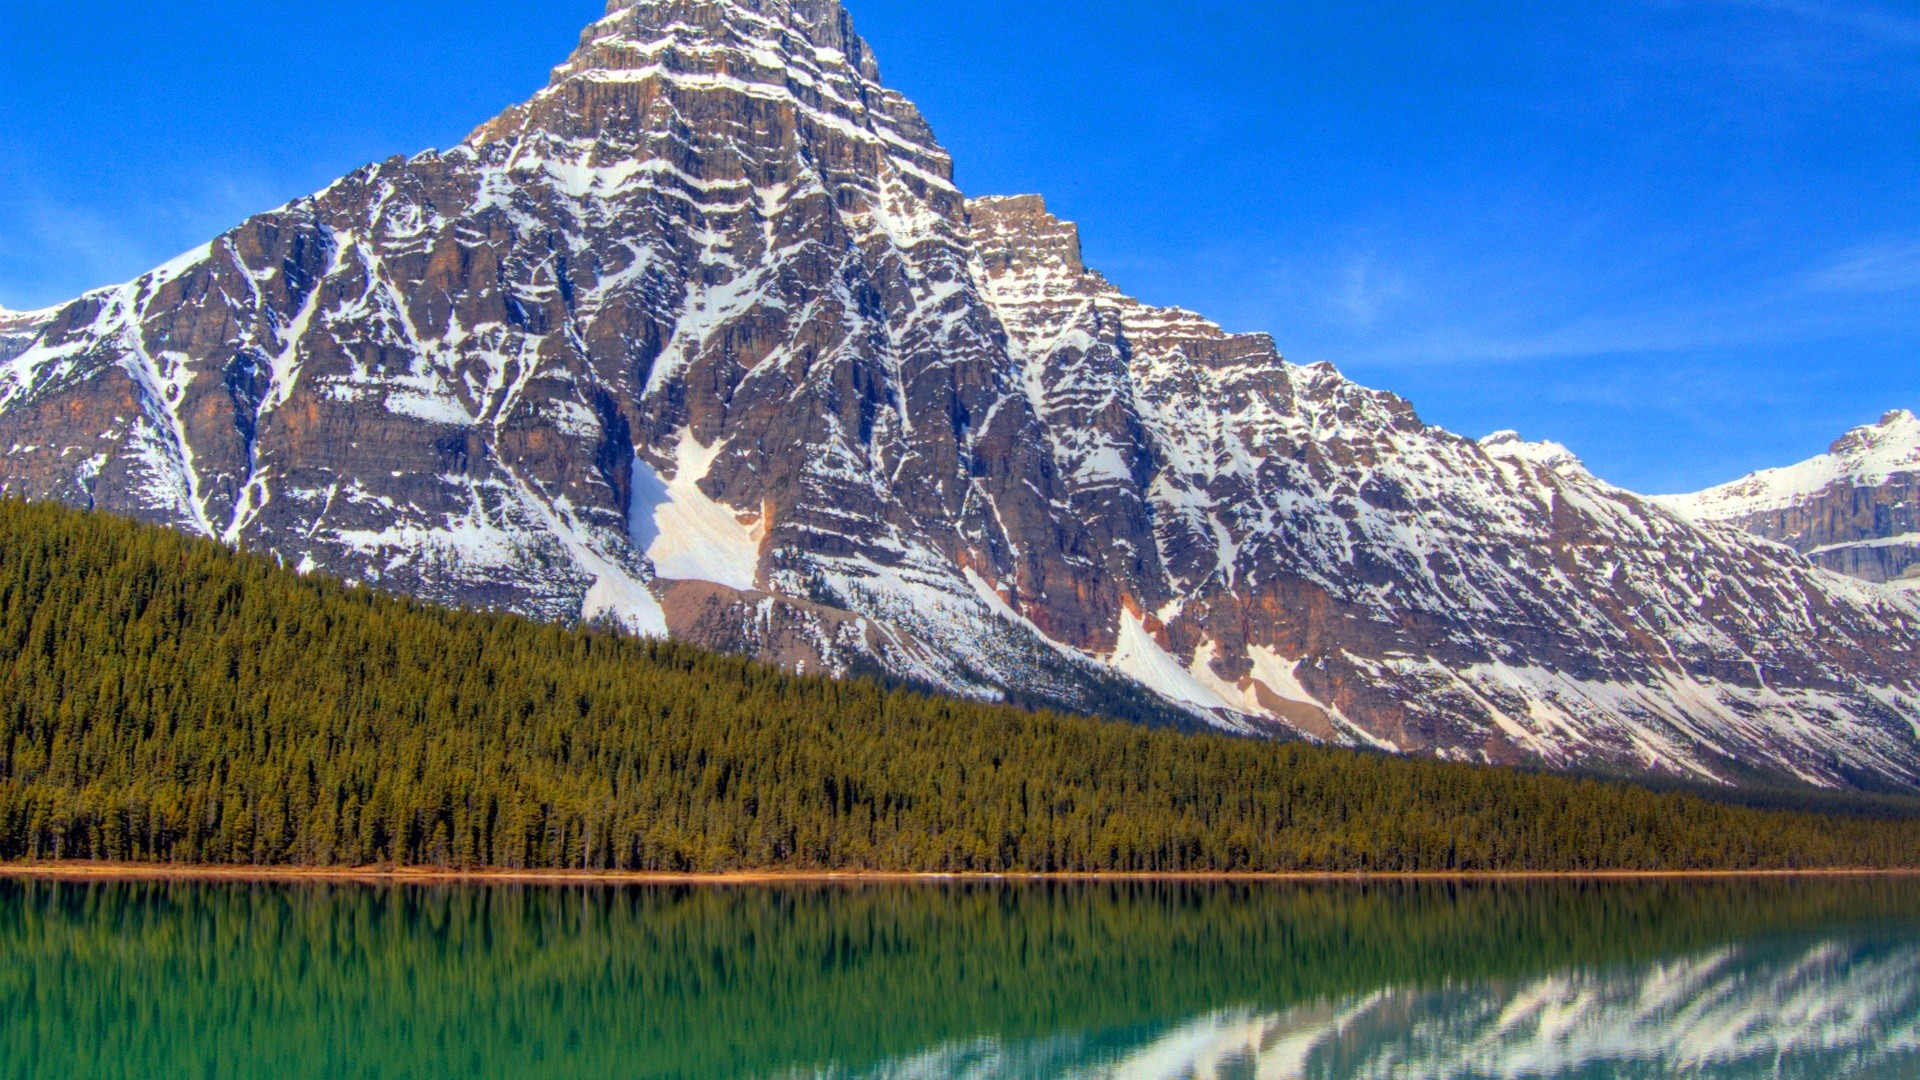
(703, 340)
(1854, 509)
(18, 329)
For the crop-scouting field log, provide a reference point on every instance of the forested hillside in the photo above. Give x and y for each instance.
(166, 699)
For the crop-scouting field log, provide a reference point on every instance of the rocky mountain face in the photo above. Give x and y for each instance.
(1854, 510)
(703, 340)
(17, 331)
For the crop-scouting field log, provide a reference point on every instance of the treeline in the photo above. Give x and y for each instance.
(168, 700)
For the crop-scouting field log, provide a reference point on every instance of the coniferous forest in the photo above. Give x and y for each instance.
(168, 700)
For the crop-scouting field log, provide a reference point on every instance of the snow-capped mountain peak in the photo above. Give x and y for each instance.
(1865, 457)
(1510, 446)
(703, 340)
(1854, 509)
(1877, 451)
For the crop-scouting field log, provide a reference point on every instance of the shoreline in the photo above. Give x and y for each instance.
(88, 871)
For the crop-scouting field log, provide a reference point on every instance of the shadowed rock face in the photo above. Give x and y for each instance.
(702, 339)
(1854, 510)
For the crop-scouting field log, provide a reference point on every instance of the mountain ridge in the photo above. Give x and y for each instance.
(702, 340)
(18, 329)
(1854, 510)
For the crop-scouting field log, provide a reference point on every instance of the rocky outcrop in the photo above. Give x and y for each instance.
(1854, 510)
(17, 331)
(702, 339)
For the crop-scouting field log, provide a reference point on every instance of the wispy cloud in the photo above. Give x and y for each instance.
(1504, 314)
(1580, 339)
(1362, 290)
(47, 247)
(1864, 20)
(1803, 42)
(1885, 267)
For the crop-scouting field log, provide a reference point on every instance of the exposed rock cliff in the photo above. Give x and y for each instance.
(17, 331)
(1854, 509)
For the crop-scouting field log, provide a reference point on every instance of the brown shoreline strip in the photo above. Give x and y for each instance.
(432, 876)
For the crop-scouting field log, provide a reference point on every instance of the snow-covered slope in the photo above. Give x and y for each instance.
(17, 330)
(1327, 558)
(702, 339)
(1854, 509)
(1865, 457)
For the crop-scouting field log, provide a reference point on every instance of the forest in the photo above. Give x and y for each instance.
(169, 700)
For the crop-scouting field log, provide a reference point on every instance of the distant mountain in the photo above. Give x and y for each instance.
(1854, 510)
(18, 329)
(703, 340)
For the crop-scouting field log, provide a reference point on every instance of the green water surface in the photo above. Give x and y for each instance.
(1148, 982)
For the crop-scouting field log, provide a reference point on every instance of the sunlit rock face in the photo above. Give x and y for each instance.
(703, 340)
(1837, 1011)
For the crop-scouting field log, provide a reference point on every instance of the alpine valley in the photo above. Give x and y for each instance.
(702, 340)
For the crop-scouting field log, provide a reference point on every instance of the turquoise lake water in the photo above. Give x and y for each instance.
(985, 982)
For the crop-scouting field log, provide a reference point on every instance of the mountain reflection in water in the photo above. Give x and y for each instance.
(1830, 1010)
(1385, 981)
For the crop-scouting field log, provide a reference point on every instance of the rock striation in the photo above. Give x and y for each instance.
(703, 340)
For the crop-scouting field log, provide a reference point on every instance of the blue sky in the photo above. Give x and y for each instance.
(1681, 236)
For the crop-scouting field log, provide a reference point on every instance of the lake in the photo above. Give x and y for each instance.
(1773, 978)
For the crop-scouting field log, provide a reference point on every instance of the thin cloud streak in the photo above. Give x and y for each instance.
(1625, 336)
(1467, 316)
(1781, 319)
(1876, 268)
(1867, 20)
(47, 246)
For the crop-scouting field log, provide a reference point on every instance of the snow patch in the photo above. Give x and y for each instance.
(686, 532)
(1509, 446)
(1003, 610)
(434, 410)
(1903, 540)
(1282, 677)
(469, 542)
(617, 596)
(1139, 656)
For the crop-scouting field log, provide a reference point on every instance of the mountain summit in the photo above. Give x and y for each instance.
(703, 340)
(1854, 509)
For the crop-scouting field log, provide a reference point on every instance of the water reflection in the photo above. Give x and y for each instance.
(1830, 1010)
(1174, 982)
